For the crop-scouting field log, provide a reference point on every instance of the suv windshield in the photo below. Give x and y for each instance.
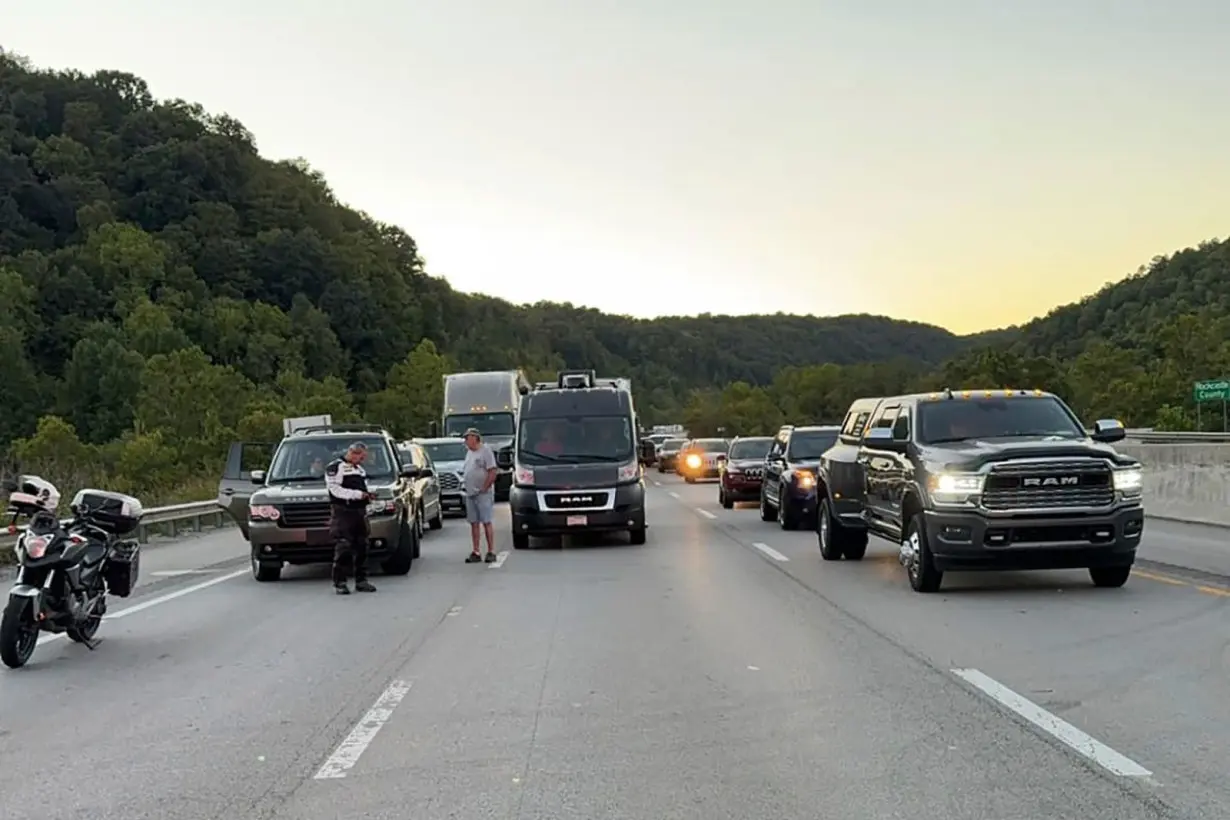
(751, 448)
(673, 445)
(962, 419)
(446, 451)
(810, 444)
(575, 440)
(489, 424)
(304, 459)
(711, 445)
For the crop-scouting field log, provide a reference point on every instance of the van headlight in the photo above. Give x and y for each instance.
(955, 488)
(1129, 480)
(630, 472)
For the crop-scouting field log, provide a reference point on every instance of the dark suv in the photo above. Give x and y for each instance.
(788, 492)
(981, 480)
(743, 470)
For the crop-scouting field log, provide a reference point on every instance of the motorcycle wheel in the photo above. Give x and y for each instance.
(18, 634)
(86, 632)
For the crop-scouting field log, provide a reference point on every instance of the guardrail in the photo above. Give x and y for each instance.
(1177, 437)
(165, 521)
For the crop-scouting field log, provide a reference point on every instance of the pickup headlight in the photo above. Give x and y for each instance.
(955, 488)
(1129, 480)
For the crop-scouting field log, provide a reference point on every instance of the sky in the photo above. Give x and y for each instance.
(967, 163)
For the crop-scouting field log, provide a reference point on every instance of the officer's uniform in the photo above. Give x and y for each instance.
(347, 485)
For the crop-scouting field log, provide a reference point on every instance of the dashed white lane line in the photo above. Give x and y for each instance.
(769, 551)
(674, 494)
(1054, 726)
(657, 484)
(500, 558)
(159, 600)
(174, 573)
(706, 513)
(348, 752)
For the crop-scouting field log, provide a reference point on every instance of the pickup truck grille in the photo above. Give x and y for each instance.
(1048, 485)
(305, 516)
(449, 482)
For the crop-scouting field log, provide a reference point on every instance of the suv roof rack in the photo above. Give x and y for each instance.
(356, 427)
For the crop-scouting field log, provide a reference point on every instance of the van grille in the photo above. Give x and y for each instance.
(576, 500)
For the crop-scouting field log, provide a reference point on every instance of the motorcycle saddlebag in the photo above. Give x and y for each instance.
(123, 566)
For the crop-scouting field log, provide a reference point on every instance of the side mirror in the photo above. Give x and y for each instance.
(881, 438)
(426, 472)
(1108, 431)
(257, 476)
(409, 471)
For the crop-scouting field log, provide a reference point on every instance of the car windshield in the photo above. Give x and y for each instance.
(711, 445)
(304, 459)
(446, 451)
(575, 439)
(489, 424)
(995, 417)
(810, 444)
(751, 448)
(673, 445)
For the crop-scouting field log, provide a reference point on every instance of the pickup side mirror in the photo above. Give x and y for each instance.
(426, 472)
(1108, 431)
(257, 476)
(409, 471)
(881, 438)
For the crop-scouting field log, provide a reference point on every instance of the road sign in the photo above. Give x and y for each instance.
(1211, 390)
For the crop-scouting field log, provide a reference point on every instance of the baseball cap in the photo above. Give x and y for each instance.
(473, 431)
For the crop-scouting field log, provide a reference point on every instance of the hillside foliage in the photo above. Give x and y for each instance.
(165, 290)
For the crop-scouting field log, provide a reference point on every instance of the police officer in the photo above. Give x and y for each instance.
(348, 497)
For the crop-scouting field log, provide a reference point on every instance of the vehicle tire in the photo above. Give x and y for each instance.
(437, 522)
(837, 541)
(787, 517)
(1109, 577)
(86, 632)
(661, 469)
(402, 559)
(521, 541)
(920, 569)
(636, 537)
(18, 633)
(265, 571)
(725, 501)
(767, 511)
(419, 529)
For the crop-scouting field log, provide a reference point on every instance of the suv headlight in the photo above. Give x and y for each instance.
(263, 512)
(1128, 480)
(382, 506)
(955, 488)
(806, 479)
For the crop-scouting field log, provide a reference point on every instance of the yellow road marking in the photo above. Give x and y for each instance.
(1220, 592)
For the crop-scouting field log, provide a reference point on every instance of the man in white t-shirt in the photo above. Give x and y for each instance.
(478, 483)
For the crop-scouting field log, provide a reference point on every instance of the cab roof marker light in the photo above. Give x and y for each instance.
(1037, 392)
(934, 396)
(965, 394)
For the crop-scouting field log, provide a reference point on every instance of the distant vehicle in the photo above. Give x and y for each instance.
(702, 458)
(282, 507)
(788, 491)
(981, 480)
(448, 457)
(668, 454)
(426, 488)
(576, 467)
(489, 402)
(743, 470)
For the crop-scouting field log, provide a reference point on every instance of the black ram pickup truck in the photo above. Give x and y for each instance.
(981, 480)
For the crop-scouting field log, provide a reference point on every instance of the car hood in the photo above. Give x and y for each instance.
(450, 466)
(975, 453)
(575, 476)
(744, 463)
(307, 492)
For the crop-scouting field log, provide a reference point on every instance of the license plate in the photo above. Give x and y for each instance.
(319, 538)
(578, 520)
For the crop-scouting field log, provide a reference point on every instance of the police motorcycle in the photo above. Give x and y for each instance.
(66, 570)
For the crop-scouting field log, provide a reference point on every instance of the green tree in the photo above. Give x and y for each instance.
(414, 395)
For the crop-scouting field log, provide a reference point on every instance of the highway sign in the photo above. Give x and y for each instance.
(1218, 390)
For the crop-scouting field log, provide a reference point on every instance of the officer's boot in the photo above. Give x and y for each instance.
(363, 585)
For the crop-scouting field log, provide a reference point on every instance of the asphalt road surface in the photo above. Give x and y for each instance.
(720, 671)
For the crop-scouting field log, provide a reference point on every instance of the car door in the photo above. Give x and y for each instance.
(878, 465)
(430, 482)
(243, 475)
(899, 474)
(774, 465)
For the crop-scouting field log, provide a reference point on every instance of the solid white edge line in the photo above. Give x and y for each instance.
(706, 513)
(674, 494)
(161, 599)
(1054, 726)
(769, 551)
(348, 752)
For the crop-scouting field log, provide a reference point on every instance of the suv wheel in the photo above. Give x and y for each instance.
(402, 558)
(265, 571)
(767, 512)
(787, 516)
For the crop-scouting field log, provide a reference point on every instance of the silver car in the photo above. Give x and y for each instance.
(448, 455)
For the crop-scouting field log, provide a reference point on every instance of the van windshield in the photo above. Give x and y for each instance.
(575, 440)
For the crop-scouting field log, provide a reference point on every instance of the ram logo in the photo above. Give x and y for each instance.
(1052, 481)
(576, 499)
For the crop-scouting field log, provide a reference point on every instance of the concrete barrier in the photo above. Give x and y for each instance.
(1185, 482)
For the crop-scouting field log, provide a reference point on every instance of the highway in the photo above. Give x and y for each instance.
(720, 671)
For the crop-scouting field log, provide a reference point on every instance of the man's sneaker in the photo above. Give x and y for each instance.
(341, 589)
(364, 586)
(490, 558)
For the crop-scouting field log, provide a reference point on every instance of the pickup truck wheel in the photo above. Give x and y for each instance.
(1109, 577)
(787, 516)
(916, 554)
(826, 534)
(767, 512)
